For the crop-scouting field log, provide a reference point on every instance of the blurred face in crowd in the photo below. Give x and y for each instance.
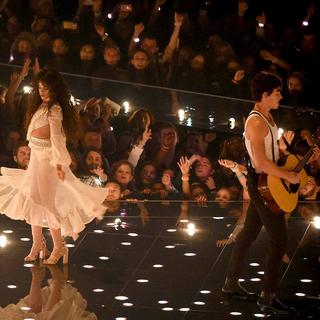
(93, 112)
(43, 41)
(148, 174)
(113, 191)
(123, 174)
(13, 139)
(310, 189)
(184, 56)
(87, 53)
(203, 168)
(197, 192)
(23, 157)
(309, 43)
(93, 160)
(193, 143)
(168, 136)
(24, 46)
(124, 10)
(13, 26)
(140, 60)
(294, 85)
(223, 197)
(151, 46)
(44, 92)
(111, 56)
(92, 140)
(197, 62)
(59, 47)
(234, 148)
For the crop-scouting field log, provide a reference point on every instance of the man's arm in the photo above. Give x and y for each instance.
(256, 131)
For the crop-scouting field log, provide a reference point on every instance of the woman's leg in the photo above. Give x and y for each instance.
(37, 244)
(59, 248)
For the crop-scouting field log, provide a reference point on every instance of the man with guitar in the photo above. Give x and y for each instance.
(261, 136)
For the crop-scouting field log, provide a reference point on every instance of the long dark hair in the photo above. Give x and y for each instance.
(59, 95)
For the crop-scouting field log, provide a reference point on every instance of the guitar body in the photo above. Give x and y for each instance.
(281, 196)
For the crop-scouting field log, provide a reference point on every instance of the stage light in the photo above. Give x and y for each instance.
(104, 258)
(3, 241)
(109, 15)
(261, 25)
(27, 89)
(189, 122)
(232, 123)
(159, 8)
(127, 304)
(305, 23)
(316, 222)
(121, 298)
(191, 229)
(280, 133)
(136, 40)
(126, 106)
(181, 115)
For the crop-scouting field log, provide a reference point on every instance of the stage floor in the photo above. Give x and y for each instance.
(153, 261)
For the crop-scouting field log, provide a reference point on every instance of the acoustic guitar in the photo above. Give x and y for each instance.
(281, 196)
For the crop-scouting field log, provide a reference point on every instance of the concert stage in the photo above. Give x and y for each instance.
(154, 261)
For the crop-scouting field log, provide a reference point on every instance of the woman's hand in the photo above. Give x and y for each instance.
(146, 136)
(60, 173)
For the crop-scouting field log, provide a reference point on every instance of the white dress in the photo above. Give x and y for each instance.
(37, 196)
(71, 306)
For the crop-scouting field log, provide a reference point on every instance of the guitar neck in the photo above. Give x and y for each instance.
(303, 161)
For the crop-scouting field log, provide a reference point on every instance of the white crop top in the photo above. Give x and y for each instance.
(57, 141)
(272, 129)
(39, 119)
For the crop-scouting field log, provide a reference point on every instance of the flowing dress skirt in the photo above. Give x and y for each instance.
(37, 196)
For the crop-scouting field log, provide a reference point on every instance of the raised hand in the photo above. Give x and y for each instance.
(25, 69)
(227, 163)
(138, 28)
(36, 66)
(184, 165)
(210, 183)
(239, 75)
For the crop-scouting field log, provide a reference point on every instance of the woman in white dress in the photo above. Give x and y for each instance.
(47, 194)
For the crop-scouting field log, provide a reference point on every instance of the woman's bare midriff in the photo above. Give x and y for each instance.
(41, 133)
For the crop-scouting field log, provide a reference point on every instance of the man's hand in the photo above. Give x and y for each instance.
(293, 177)
(316, 154)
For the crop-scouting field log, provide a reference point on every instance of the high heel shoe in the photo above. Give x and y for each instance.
(57, 254)
(37, 250)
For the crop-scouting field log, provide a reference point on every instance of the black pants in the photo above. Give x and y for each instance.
(259, 215)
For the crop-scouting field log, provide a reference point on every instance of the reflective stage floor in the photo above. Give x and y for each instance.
(154, 261)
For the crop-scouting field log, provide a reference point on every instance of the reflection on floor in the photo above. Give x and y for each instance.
(153, 261)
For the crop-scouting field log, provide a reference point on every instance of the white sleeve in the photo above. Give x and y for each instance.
(135, 155)
(60, 154)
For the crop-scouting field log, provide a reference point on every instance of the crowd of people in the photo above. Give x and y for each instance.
(64, 163)
(136, 156)
(202, 46)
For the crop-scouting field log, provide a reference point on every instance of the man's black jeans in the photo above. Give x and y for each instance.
(259, 215)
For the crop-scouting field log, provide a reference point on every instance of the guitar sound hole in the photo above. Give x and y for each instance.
(294, 187)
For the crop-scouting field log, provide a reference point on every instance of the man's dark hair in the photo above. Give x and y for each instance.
(19, 145)
(264, 82)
